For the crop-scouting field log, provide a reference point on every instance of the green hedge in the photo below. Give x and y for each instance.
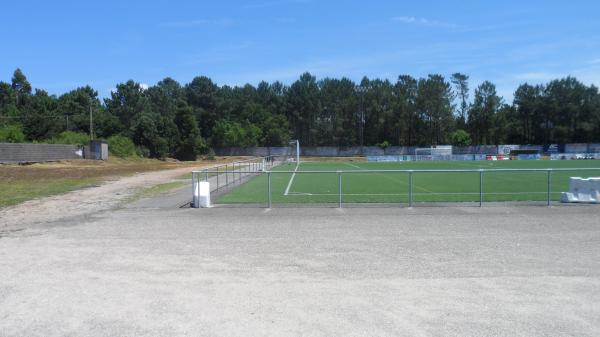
(121, 146)
(11, 134)
(70, 137)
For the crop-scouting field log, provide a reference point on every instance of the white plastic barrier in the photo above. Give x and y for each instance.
(201, 194)
(582, 190)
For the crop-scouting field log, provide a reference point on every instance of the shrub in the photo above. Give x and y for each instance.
(142, 151)
(11, 134)
(210, 155)
(121, 146)
(383, 145)
(70, 137)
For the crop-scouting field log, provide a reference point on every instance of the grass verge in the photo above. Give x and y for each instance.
(20, 183)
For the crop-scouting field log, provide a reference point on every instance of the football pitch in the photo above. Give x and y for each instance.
(291, 184)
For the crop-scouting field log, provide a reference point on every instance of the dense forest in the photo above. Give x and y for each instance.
(182, 121)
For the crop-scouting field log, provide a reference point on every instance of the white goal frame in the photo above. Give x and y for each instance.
(297, 144)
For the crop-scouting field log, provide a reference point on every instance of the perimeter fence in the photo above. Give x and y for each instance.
(247, 169)
(231, 174)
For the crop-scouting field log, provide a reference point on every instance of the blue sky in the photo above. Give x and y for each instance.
(61, 45)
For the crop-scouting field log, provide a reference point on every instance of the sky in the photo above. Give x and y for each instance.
(61, 45)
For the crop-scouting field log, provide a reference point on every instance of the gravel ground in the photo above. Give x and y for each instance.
(444, 271)
(86, 201)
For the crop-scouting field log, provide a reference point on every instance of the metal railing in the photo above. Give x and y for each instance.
(410, 173)
(233, 173)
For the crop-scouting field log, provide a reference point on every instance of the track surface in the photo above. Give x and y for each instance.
(445, 271)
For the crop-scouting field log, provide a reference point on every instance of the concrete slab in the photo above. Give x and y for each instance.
(454, 271)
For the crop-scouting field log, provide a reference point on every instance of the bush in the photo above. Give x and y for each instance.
(142, 151)
(121, 146)
(70, 137)
(11, 134)
(383, 145)
(210, 155)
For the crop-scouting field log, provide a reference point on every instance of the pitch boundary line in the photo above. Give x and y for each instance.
(352, 165)
(287, 190)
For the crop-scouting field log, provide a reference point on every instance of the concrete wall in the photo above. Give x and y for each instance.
(252, 151)
(30, 153)
(481, 149)
(315, 151)
(350, 151)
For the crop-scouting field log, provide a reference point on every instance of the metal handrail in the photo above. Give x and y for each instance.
(416, 171)
(244, 167)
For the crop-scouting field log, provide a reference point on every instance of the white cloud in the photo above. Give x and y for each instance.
(411, 20)
(537, 76)
(144, 86)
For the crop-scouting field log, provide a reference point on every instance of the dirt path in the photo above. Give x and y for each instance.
(85, 201)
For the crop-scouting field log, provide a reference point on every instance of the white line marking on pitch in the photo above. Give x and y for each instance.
(352, 165)
(287, 190)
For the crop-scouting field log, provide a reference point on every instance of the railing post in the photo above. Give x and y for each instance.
(217, 179)
(481, 188)
(269, 189)
(339, 189)
(226, 176)
(206, 179)
(410, 189)
(193, 189)
(549, 187)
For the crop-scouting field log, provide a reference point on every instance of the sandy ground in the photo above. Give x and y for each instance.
(442, 271)
(84, 201)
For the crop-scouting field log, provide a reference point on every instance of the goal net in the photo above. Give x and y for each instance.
(292, 154)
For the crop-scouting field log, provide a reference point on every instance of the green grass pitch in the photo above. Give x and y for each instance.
(392, 187)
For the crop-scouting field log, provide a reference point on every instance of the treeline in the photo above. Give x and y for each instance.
(171, 120)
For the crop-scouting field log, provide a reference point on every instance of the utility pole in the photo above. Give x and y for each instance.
(91, 124)
(91, 118)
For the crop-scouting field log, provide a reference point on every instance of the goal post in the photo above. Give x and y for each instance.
(295, 147)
